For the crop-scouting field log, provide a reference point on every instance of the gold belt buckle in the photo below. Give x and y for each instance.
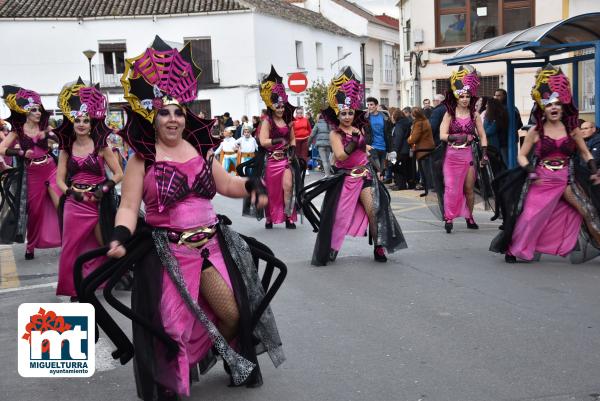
(82, 187)
(42, 160)
(184, 238)
(553, 167)
(278, 155)
(358, 172)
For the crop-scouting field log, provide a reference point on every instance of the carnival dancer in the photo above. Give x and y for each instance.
(282, 173)
(227, 150)
(246, 144)
(465, 149)
(354, 198)
(88, 205)
(199, 283)
(29, 121)
(547, 198)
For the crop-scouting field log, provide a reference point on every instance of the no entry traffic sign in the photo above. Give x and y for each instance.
(297, 82)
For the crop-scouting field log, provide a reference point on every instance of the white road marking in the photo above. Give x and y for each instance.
(28, 287)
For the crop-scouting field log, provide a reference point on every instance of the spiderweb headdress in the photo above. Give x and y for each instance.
(553, 86)
(78, 100)
(20, 101)
(465, 80)
(159, 77)
(345, 92)
(272, 92)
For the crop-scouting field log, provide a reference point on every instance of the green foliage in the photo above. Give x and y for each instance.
(316, 97)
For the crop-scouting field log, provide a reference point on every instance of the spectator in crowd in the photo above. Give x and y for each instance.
(5, 161)
(263, 114)
(437, 114)
(302, 131)
(227, 121)
(591, 136)
(427, 108)
(421, 143)
(402, 166)
(495, 122)
(378, 134)
(201, 114)
(408, 113)
(238, 129)
(501, 95)
(320, 135)
(310, 118)
(255, 124)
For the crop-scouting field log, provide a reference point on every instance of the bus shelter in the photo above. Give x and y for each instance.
(554, 42)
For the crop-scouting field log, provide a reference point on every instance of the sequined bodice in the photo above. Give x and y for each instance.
(462, 126)
(28, 143)
(172, 181)
(279, 132)
(91, 165)
(356, 158)
(563, 147)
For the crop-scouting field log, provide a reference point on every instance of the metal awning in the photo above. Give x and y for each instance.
(537, 45)
(542, 41)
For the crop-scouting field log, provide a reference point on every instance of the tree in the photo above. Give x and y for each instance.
(316, 97)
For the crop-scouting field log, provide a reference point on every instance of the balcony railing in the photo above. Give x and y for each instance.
(368, 72)
(112, 79)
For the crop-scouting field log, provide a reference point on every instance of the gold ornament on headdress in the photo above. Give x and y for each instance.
(543, 78)
(63, 99)
(333, 89)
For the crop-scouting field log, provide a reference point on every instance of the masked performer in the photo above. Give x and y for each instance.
(199, 283)
(465, 150)
(281, 170)
(354, 198)
(546, 199)
(89, 197)
(30, 130)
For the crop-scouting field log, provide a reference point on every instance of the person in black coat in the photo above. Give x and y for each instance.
(435, 119)
(403, 167)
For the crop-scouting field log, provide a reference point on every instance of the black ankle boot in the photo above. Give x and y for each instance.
(29, 255)
(332, 255)
(510, 258)
(448, 226)
(268, 225)
(290, 225)
(379, 254)
(471, 224)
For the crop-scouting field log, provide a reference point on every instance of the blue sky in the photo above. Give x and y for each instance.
(379, 6)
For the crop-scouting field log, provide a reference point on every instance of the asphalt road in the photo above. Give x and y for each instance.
(443, 320)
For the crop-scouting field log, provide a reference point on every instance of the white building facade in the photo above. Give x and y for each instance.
(433, 30)
(380, 41)
(234, 47)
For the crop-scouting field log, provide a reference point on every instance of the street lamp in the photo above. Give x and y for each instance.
(340, 59)
(89, 54)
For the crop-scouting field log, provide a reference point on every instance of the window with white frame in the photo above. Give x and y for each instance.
(112, 57)
(388, 63)
(319, 53)
(340, 51)
(299, 54)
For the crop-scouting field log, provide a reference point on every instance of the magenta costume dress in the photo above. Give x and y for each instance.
(458, 161)
(279, 209)
(342, 213)
(42, 218)
(547, 223)
(80, 219)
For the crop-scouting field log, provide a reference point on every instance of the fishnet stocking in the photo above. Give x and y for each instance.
(572, 200)
(366, 198)
(469, 189)
(221, 300)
